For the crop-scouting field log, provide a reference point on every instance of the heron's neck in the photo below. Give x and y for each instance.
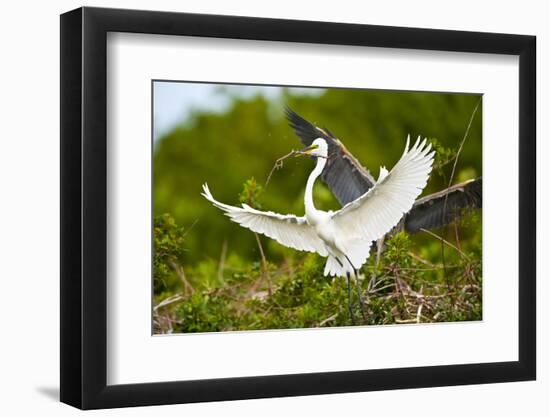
(308, 198)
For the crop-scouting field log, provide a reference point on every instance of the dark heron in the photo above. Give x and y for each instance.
(348, 180)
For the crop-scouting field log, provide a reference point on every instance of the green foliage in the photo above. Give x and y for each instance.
(213, 277)
(443, 156)
(404, 287)
(251, 193)
(167, 253)
(224, 149)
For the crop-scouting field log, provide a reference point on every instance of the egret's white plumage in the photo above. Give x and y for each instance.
(289, 230)
(344, 236)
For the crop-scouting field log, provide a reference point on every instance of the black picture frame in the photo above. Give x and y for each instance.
(84, 207)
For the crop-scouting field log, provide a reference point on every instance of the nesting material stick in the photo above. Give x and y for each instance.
(279, 163)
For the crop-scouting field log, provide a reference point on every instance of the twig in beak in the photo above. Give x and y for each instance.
(279, 162)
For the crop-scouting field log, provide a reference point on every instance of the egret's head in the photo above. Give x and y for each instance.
(317, 148)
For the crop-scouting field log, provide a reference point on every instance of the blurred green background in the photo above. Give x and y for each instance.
(224, 149)
(225, 135)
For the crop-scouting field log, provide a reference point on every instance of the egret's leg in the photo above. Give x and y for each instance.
(359, 295)
(358, 286)
(350, 308)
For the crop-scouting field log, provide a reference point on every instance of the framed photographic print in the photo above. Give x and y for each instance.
(257, 207)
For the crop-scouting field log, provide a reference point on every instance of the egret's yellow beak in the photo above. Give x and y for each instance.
(307, 150)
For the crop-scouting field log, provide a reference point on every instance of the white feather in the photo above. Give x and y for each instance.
(376, 212)
(346, 235)
(288, 230)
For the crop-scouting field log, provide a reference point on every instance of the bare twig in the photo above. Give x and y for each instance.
(325, 321)
(181, 274)
(221, 265)
(452, 177)
(169, 300)
(419, 312)
(407, 321)
(420, 259)
(265, 272)
(190, 228)
(446, 242)
(460, 150)
(279, 163)
(457, 236)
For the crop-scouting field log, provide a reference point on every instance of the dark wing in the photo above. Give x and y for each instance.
(431, 212)
(345, 176)
(349, 180)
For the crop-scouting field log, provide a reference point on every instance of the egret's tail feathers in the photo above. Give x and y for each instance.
(334, 268)
(357, 251)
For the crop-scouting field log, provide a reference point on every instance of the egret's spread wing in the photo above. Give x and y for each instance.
(433, 211)
(288, 230)
(376, 212)
(345, 176)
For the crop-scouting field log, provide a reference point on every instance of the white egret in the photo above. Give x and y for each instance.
(344, 236)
